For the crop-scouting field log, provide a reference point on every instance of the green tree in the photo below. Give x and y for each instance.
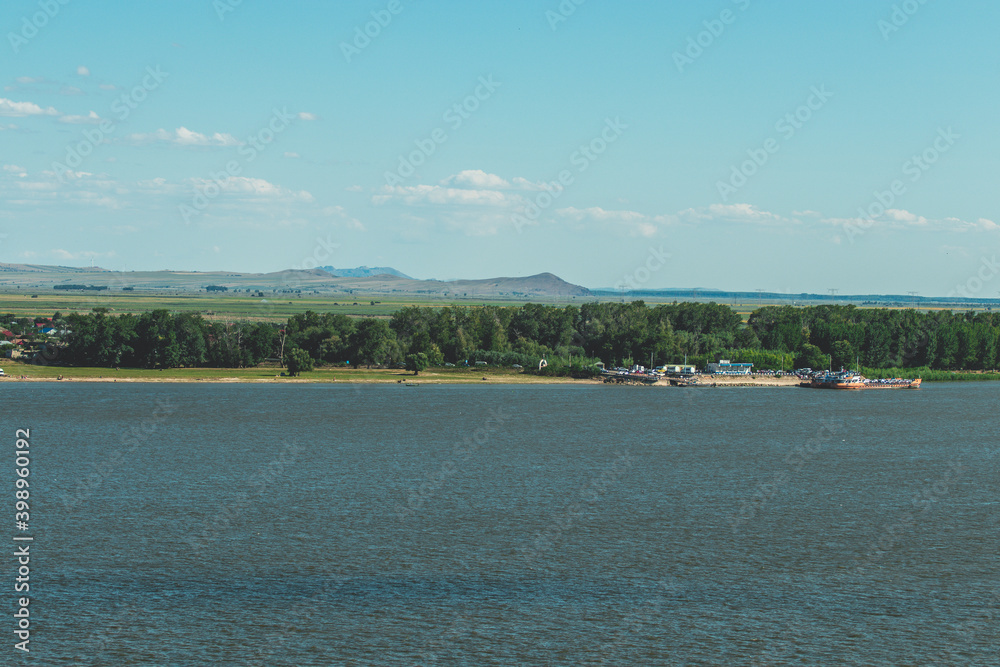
(843, 354)
(371, 342)
(810, 356)
(417, 362)
(298, 361)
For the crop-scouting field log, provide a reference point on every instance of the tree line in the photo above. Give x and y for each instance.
(615, 333)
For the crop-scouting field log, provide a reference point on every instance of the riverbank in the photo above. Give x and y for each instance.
(17, 372)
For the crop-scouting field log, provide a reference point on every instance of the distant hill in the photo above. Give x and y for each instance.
(544, 286)
(43, 268)
(538, 288)
(365, 272)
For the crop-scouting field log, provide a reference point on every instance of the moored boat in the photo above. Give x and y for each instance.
(853, 380)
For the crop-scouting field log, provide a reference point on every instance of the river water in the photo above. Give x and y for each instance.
(189, 524)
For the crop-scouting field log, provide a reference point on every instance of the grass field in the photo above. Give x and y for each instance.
(218, 307)
(270, 308)
(14, 372)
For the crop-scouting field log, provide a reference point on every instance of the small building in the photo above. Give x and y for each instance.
(726, 367)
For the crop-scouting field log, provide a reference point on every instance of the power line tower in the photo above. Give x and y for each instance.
(833, 293)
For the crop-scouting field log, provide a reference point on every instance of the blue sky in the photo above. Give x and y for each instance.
(785, 146)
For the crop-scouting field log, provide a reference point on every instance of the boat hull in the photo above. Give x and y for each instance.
(857, 386)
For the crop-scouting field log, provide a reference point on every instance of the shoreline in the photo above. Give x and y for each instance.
(17, 372)
(382, 377)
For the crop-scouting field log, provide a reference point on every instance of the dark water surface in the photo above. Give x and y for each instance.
(485, 525)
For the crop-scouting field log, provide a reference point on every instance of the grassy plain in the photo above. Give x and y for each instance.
(271, 373)
(276, 308)
(271, 307)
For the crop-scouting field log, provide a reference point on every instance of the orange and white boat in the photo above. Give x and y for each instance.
(852, 380)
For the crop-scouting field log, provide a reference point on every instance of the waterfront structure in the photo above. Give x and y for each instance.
(726, 367)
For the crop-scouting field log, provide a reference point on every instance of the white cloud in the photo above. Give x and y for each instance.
(354, 188)
(980, 225)
(88, 255)
(645, 225)
(473, 202)
(637, 224)
(185, 137)
(82, 71)
(898, 219)
(241, 202)
(472, 187)
(305, 115)
(237, 190)
(108, 86)
(476, 178)
(20, 109)
(598, 213)
(436, 195)
(745, 213)
(27, 80)
(255, 187)
(292, 156)
(90, 119)
(480, 203)
(906, 217)
(346, 219)
(20, 172)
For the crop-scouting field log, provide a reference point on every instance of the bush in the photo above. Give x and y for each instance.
(298, 361)
(417, 362)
